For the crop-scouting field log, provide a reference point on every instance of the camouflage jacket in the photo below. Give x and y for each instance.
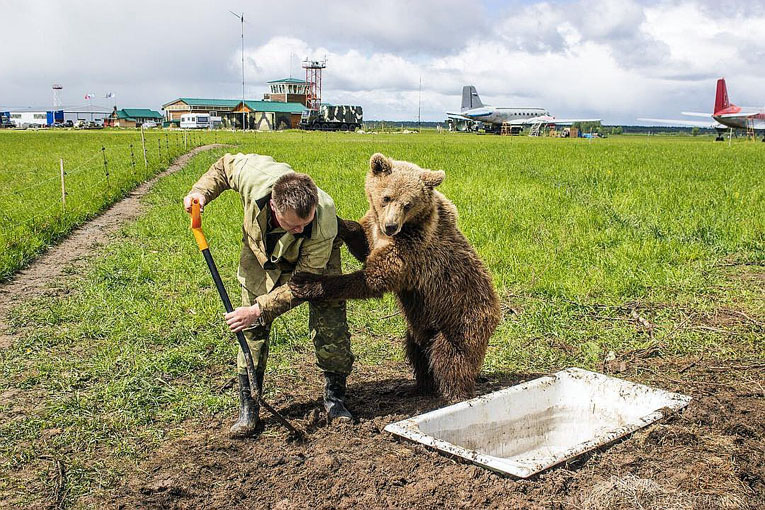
(253, 176)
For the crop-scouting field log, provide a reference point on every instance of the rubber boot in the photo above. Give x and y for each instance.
(334, 398)
(248, 408)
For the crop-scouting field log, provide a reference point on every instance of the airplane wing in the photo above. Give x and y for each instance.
(571, 121)
(545, 119)
(683, 122)
(454, 115)
(737, 115)
(698, 114)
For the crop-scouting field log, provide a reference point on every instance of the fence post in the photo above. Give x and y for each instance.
(106, 166)
(167, 146)
(63, 187)
(143, 143)
(185, 141)
(159, 148)
(132, 159)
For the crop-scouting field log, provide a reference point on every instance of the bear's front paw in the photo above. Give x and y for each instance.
(306, 286)
(347, 230)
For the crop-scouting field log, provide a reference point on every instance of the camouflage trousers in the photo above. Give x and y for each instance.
(326, 321)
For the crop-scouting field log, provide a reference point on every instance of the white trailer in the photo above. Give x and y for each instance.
(195, 121)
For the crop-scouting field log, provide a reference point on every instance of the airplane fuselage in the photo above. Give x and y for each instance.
(473, 111)
(493, 115)
(756, 120)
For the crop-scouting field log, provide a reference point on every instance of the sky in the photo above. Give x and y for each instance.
(615, 60)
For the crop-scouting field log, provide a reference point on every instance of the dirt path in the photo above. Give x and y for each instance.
(42, 276)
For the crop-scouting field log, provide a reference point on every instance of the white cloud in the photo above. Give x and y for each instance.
(702, 43)
(613, 59)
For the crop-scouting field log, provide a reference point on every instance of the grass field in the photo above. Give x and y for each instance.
(32, 214)
(598, 249)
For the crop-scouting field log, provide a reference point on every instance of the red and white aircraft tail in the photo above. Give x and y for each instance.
(721, 98)
(725, 114)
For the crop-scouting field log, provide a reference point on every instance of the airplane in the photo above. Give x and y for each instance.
(726, 115)
(473, 112)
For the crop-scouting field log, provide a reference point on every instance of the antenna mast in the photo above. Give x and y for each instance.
(419, 105)
(313, 70)
(241, 19)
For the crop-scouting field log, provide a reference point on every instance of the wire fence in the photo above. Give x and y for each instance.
(34, 215)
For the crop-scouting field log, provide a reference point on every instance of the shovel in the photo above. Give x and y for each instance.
(255, 391)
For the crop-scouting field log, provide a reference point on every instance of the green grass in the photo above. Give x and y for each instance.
(32, 215)
(576, 235)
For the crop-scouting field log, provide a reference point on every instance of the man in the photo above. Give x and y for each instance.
(289, 225)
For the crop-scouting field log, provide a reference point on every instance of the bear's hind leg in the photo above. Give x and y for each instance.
(454, 366)
(417, 356)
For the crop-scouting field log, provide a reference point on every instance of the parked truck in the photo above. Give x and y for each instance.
(5, 120)
(332, 118)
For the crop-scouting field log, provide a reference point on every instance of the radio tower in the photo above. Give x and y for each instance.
(57, 96)
(313, 79)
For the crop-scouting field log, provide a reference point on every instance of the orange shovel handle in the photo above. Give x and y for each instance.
(196, 225)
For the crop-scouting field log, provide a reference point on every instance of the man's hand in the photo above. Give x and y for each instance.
(242, 318)
(306, 285)
(190, 197)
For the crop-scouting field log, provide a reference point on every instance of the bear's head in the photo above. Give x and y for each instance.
(400, 192)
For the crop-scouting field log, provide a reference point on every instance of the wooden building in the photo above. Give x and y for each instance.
(215, 107)
(131, 117)
(280, 109)
(265, 115)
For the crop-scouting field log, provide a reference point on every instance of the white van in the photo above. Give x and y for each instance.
(195, 121)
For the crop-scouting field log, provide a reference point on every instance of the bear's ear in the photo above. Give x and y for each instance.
(432, 178)
(379, 164)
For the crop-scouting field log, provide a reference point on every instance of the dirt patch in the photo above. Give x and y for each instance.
(710, 456)
(40, 278)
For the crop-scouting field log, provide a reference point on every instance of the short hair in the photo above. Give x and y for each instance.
(296, 192)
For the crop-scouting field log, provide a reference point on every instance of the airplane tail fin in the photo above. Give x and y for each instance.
(470, 98)
(721, 98)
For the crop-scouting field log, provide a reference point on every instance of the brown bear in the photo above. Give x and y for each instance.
(410, 245)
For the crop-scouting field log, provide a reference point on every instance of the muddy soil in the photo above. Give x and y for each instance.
(710, 456)
(43, 275)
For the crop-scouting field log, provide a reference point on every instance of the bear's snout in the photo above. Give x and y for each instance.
(391, 228)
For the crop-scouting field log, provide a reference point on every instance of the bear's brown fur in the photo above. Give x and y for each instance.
(411, 246)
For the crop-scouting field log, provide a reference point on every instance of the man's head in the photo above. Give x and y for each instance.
(293, 201)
